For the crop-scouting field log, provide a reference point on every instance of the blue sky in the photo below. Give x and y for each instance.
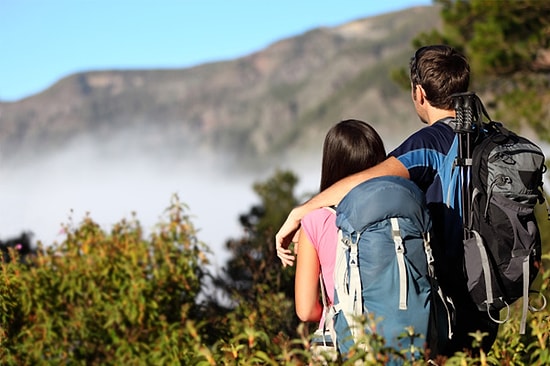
(42, 41)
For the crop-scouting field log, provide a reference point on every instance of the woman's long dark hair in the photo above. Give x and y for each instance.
(350, 147)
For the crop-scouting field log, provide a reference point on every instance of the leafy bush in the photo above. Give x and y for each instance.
(115, 298)
(105, 298)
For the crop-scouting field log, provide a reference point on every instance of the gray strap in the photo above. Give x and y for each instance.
(525, 295)
(431, 272)
(450, 193)
(429, 255)
(347, 301)
(328, 308)
(475, 193)
(327, 313)
(355, 277)
(487, 278)
(446, 302)
(400, 254)
(485, 267)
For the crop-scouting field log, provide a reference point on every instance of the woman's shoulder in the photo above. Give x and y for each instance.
(319, 215)
(320, 226)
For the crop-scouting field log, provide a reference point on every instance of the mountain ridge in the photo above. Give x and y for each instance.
(272, 103)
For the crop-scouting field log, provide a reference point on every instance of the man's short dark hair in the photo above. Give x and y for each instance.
(441, 71)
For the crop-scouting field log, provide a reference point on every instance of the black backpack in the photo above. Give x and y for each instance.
(502, 245)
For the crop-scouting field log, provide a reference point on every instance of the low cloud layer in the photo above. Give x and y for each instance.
(43, 194)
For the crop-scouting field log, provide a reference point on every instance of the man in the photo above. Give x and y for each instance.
(426, 157)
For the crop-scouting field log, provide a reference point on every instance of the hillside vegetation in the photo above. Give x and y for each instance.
(278, 99)
(508, 46)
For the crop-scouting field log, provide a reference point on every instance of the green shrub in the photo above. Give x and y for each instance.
(105, 298)
(116, 298)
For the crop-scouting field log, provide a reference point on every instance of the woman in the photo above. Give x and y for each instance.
(350, 146)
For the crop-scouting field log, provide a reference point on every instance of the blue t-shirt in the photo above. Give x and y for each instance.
(429, 155)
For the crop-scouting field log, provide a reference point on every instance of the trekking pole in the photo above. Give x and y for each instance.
(466, 117)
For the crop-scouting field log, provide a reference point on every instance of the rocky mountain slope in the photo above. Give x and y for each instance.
(273, 103)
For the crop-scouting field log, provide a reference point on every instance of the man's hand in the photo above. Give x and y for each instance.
(288, 233)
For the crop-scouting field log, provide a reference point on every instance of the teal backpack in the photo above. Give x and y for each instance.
(384, 268)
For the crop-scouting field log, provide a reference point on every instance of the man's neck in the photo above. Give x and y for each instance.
(435, 114)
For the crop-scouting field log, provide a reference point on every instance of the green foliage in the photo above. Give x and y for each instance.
(115, 298)
(508, 46)
(105, 298)
(253, 257)
(543, 221)
(501, 37)
(510, 347)
(253, 276)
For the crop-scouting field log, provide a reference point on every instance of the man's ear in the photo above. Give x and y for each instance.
(420, 94)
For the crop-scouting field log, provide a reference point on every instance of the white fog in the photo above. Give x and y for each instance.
(41, 195)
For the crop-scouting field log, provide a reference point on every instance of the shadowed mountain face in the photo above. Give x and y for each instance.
(270, 104)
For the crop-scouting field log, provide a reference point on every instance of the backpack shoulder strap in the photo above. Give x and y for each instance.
(323, 288)
(328, 308)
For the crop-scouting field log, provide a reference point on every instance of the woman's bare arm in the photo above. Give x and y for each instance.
(306, 285)
(329, 197)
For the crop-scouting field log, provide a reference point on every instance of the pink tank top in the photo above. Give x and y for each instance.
(320, 228)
